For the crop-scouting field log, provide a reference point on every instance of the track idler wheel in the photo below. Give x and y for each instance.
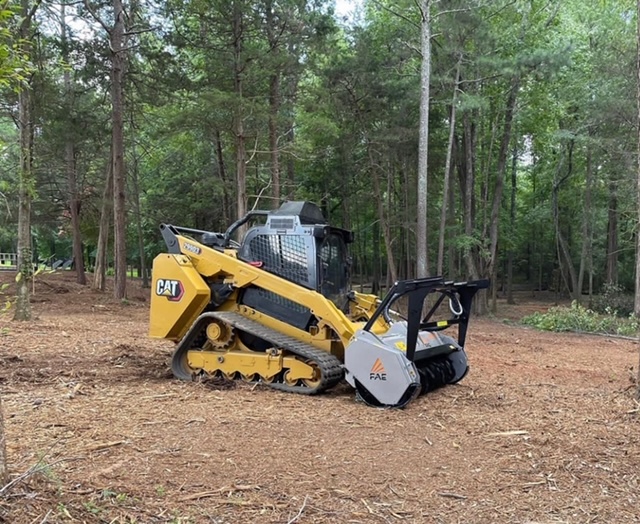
(180, 365)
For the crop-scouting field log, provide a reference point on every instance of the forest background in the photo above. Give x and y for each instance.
(127, 114)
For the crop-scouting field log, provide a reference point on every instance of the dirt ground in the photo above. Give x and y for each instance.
(544, 429)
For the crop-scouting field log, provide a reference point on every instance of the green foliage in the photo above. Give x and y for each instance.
(579, 319)
(613, 300)
(14, 65)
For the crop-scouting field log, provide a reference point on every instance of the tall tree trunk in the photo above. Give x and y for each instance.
(452, 273)
(407, 219)
(291, 163)
(637, 290)
(612, 234)
(274, 101)
(392, 272)
(447, 169)
(119, 175)
(422, 269)
(565, 262)
(586, 224)
(136, 203)
(292, 76)
(274, 107)
(500, 174)
(376, 268)
(70, 161)
(512, 225)
(26, 180)
(384, 223)
(100, 270)
(468, 178)
(238, 124)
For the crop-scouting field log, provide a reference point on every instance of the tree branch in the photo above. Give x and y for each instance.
(385, 8)
(140, 31)
(96, 17)
(32, 13)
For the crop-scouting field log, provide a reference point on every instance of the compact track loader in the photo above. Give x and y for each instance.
(277, 309)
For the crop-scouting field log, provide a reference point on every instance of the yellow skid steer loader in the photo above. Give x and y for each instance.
(277, 309)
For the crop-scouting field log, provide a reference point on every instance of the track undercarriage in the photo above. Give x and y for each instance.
(229, 345)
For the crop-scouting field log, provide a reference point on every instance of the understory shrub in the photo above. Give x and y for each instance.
(613, 300)
(582, 320)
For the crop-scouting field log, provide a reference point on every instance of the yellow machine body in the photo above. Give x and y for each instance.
(178, 296)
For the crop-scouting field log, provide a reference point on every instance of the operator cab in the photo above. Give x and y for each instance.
(297, 244)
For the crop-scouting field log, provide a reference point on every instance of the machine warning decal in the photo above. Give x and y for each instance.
(377, 371)
(401, 346)
(172, 289)
(191, 248)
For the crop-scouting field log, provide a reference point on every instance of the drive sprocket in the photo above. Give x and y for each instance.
(220, 335)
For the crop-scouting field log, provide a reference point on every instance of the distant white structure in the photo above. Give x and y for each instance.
(8, 260)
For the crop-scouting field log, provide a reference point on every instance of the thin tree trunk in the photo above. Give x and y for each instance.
(451, 222)
(223, 180)
(274, 106)
(70, 161)
(407, 219)
(512, 224)
(100, 270)
(468, 253)
(274, 102)
(586, 223)
(74, 209)
(241, 154)
(119, 176)
(447, 171)
(386, 230)
(565, 263)
(376, 267)
(136, 203)
(422, 269)
(612, 234)
(501, 168)
(392, 272)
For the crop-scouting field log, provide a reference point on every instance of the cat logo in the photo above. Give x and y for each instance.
(377, 371)
(172, 289)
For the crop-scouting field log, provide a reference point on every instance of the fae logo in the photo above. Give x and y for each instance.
(172, 289)
(377, 371)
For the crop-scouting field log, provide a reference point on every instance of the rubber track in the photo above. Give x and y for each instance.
(331, 371)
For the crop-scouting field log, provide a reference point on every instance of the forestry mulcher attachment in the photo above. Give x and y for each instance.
(277, 309)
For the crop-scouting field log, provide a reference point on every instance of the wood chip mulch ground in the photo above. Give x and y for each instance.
(544, 429)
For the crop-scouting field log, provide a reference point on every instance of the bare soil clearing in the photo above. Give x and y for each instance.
(543, 429)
